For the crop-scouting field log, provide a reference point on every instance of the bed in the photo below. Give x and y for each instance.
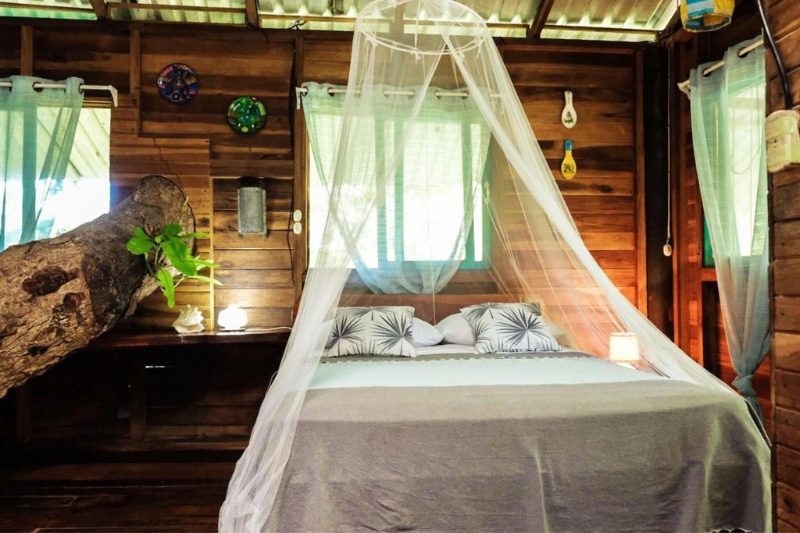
(456, 441)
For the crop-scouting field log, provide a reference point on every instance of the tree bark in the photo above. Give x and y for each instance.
(56, 295)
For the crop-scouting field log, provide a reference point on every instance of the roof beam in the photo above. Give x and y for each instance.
(100, 9)
(602, 29)
(540, 19)
(251, 13)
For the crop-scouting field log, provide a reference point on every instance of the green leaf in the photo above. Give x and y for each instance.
(165, 279)
(171, 230)
(139, 245)
(179, 255)
(206, 279)
(139, 232)
(204, 263)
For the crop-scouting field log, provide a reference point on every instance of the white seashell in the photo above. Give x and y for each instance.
(190, 320)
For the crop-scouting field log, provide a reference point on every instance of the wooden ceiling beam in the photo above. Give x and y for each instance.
(535, 30)
(251, 13)
(100, 9)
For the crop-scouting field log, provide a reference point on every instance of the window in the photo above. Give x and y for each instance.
(745, 146)
(81, 196)
(407, 196)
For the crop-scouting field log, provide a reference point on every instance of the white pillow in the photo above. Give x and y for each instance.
(509, 328)
(373, 331)
(456, 330)
(425, 334)
(559, 333)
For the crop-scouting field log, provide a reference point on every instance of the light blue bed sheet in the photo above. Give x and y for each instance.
(547, 369)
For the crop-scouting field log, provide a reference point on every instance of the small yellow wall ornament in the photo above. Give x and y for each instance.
(568, 166)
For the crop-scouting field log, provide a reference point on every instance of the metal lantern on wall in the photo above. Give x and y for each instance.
(252, 204)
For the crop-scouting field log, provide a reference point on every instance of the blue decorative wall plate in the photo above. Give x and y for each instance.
(178, 83)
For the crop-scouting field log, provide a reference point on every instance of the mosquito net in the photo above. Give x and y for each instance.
(435, 195)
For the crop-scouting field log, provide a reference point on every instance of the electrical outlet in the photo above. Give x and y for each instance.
(783, 140)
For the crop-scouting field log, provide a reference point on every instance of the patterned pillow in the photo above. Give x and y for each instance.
(503, 328)
(373, 331)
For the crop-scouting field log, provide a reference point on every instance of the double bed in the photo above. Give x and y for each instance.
(550, 441)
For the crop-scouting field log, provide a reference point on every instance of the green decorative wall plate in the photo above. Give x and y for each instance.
(247, 114)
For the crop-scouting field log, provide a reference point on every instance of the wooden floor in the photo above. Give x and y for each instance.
(113, 497)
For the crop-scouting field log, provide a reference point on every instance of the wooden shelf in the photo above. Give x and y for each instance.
(141, 339)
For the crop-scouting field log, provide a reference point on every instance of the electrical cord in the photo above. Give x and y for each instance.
(787, 93)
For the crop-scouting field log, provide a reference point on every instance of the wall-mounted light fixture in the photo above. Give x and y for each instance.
(252, 202)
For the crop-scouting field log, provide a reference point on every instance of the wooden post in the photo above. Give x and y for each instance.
(23, 393)
(26, 60)
(136, 73)
(300, 177)
(639, 190)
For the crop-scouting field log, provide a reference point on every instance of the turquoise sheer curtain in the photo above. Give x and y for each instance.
(37, 130)
(449, 138)
(728, 115)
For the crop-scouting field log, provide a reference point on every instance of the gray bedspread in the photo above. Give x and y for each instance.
(639, 456)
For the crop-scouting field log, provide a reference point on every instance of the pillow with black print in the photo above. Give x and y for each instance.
(383, 331)
(509, 328)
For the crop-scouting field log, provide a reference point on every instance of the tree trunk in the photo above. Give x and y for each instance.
(56, 295)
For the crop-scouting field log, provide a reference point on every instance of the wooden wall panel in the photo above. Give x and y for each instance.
(96, 55)
(184, 161)
(784, 16)
(229, 65)
(193, 145)
(256, 270)
(603, 86)
(9, 51)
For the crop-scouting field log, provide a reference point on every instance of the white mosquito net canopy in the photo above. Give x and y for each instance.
(434, 201)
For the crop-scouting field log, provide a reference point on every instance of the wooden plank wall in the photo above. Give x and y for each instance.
(603, 197)
(193, 145)
(784, 18)
(197, 397)
(698, 319)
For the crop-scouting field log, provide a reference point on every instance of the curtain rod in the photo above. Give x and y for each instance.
(302, 91)
(331, 91)
(686, 86)
(83, 87)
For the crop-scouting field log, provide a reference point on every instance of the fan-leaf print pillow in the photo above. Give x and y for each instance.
(504, 328)
(373, 331)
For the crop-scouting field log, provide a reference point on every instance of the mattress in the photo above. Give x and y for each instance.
(442, 452)
(445, 368)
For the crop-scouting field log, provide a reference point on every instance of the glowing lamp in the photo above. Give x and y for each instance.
(623, 349)
(233, 318)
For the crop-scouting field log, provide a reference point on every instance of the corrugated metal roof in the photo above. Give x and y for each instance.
(55, 9)
(617, 20)
(634, 20)
(184, 11)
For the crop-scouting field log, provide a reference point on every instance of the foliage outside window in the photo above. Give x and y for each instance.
(404, 216)
(81, 196)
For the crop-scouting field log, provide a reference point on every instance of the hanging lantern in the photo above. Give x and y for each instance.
(706, 15)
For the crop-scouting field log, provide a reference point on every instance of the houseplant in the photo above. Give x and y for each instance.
(167, 249)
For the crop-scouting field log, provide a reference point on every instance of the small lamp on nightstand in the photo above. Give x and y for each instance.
(623, 349)
(233, 318)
